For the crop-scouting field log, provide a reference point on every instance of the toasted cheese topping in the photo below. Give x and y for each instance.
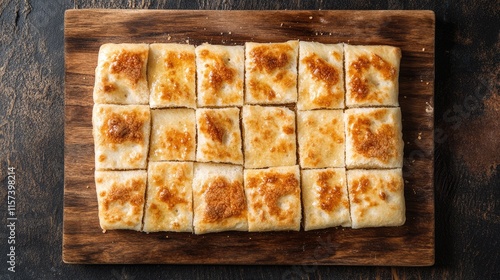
(269, 136)
(173, 88)
(172, 75)
(167, 192)
(120, 128)
(377, 197)
(219, 136)
(372, 75)
(273, 198)
(123, 194)
(120, 195)
(169, 197)
(360, 84)
(271, 74)
(224, 199)
(217, 73)
(272, 187)
(270, 58)
(329, 197)
(321, 79)
(129, 64)
(321, 138)
(177, 143)
(120, 75)
(321, 70)
(377, 143)
(121, 136)
(325, 199)
(211, 128)
(173, 135)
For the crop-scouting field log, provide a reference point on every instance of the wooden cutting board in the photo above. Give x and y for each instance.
(409, 245)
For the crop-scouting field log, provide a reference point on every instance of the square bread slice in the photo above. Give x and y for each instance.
(273, 197)
(320, 135)
(121, 136)
(219, 135)
(169, 205)
(173, 135)
(376, 197)
(325, 199)
(220, 75)
(120, 75)
(271, 72)
(219, 198)
(120, 198)
(269, 136)
(172, 75)
(373, 138)
(321, 76)
(372, 75)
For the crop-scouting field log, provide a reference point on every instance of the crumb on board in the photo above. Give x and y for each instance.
(310, 17)
(103, 231)
(423, 49)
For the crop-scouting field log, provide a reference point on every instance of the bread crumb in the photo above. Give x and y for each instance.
(281, 25)
(423, 49)
(310, 17)
(103, 231)
(229, 33)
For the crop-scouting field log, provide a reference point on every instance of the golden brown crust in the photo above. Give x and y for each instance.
(376, 197)
(271, 73)
(372, 75)
(374, 138)
(121, 74)
(121, 136)
(325, 199)
(169, 197)
(172, 75)
(219, 136)
(321, 76)
(321, 138)
(120, 196)
(273, 198)
(269, 135)
(173, 135)
(224, 199)
(219, 199)
(220, 75)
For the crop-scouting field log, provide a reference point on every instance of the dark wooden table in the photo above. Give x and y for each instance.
(467, 141)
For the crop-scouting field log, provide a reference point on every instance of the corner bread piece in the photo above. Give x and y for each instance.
(271, 72)
(219, 198)
(321, 76)
(121, 136)
(220, 75)
(269, 136)
(173, 135)
(373, 138)
(376, 198)
(219, 135)
(120, 75)
(321, 138)
(273, 196)
(169, 204)
(172, 75)
(325, 200)
(120, 198)
(372, 75)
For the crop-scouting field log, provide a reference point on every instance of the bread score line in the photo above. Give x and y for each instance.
(261, 137)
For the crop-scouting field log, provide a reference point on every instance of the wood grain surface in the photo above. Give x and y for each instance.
(409, 245)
